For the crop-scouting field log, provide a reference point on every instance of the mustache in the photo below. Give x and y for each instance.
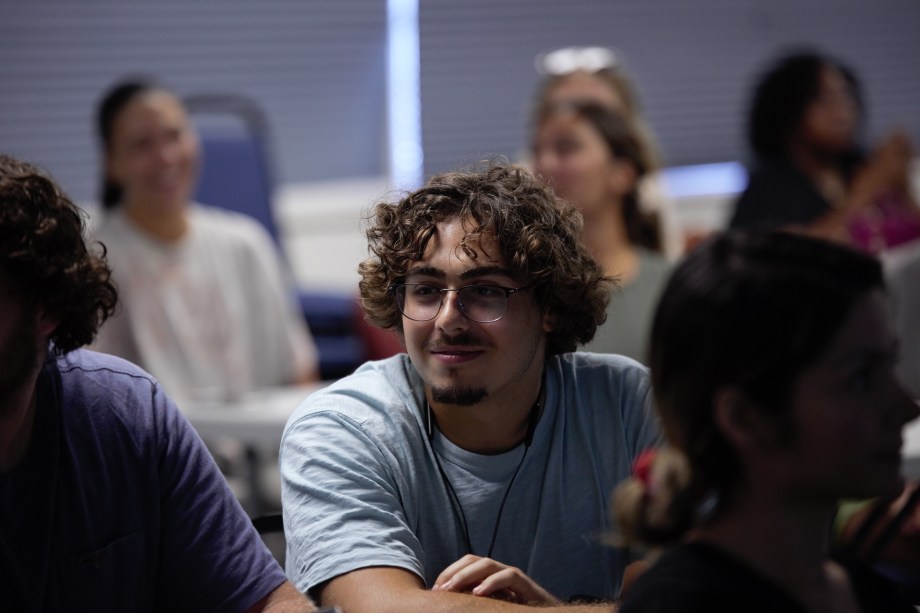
(461, 340)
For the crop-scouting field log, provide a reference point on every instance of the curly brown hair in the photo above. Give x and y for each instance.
(43, 254)
(538, 237)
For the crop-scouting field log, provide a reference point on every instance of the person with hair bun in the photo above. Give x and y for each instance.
(593, 157)
(772, 366)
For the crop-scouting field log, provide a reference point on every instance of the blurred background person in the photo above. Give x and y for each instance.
(597, 74)
(594, 158)
(770, 425)
(810, 172)
(206, 306)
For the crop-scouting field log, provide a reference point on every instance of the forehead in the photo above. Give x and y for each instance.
(584, 87)
(866, 332)
(452, 248)
(148, 110)
(562, 125)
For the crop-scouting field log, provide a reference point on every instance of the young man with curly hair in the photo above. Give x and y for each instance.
(473, 473)
(108, 499)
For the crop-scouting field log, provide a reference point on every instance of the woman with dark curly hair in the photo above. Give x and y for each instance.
(480, 464)
(773, 372)
(810, 172)
(109, 501)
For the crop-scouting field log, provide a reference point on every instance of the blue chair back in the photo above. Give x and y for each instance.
(235, 169)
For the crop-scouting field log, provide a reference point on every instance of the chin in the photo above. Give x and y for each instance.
(458, 395)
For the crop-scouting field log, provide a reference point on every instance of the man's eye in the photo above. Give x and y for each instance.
(423, 291)
(485, 291)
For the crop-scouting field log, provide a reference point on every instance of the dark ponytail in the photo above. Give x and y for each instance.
(117, 98)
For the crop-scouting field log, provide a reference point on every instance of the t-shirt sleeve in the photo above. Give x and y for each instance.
(211, 557)
(342, 500)
(639, 416)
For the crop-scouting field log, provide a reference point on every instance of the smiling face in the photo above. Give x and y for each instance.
(153, 154)
(463, 362)
(848, 412)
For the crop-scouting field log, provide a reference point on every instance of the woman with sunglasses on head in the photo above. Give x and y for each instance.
(593, 158)
(773, 374)
(597, 75)
(205, 307)
(810, 172)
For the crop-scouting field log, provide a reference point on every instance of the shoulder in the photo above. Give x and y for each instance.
(111, 228)
(381, 399)
(229, 224)
(777, 194)
(874, 591)
(88, 371)
(694, 577)
(654, 267)
(601, 369)
(105, 398)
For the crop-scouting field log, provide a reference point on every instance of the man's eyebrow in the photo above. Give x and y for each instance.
(426, 271)
(483, 271)
(479, 271)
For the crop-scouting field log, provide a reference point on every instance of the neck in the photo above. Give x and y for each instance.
(164, 227)
(607, 239)
(492, 426)
(786, 541)
(822, 169)
(17, 417)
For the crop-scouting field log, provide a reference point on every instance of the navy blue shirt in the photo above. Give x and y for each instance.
(117, 504)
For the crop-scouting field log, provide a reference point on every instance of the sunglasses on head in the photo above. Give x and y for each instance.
(572, 59)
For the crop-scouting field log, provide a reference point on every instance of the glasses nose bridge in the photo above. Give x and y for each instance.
(451, 302)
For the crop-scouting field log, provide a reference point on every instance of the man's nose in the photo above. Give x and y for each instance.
(451, 315)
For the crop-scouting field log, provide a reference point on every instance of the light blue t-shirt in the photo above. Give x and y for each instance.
(361, 487)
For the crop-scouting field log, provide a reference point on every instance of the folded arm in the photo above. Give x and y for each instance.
(384, 589)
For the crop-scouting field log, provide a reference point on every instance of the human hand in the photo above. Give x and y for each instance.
(887, 166)
(901, 548)
(487, 577)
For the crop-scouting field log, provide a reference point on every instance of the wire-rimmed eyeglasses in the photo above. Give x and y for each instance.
(479, 303)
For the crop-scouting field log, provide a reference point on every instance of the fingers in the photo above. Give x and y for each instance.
(448, 573)
(512, 582)
(486, 577)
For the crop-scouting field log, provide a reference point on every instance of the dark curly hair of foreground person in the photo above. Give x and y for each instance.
(44, 258)
(538, 236)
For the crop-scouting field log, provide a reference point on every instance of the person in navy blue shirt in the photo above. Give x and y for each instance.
(108, 498)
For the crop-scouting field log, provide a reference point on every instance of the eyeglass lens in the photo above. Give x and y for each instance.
(480, 303)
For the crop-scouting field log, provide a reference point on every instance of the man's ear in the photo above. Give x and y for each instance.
(549, 321)
(742, 422)
(47, 324)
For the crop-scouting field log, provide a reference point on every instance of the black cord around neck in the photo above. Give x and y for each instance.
(455, 505)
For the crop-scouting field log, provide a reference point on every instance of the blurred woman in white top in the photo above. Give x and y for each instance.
(206, 306)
